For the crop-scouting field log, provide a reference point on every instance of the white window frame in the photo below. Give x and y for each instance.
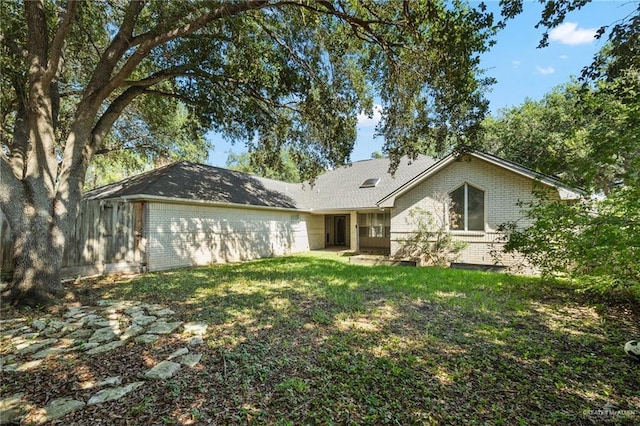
(466, 209)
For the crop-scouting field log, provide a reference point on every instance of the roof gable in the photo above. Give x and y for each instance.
(565, 192)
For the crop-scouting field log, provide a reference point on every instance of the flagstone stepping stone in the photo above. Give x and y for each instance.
(164, 327)
(9, 368)
(162, 312)
(106, 347)
(81, 333)
(179, 352)
(144, 320)
(29, 365)
(131, 331)
(58, 408)
(85, 346)
(39, 324)
(34, 346)
(147, 338)
(8, 334)
(74, 311)
(190, 360)
(110, 381)
(195, 341)
(196, 328)
(48, 351)
(133, 310)
(163, 370)
(12, 409)
(103, 335)
(111, 394)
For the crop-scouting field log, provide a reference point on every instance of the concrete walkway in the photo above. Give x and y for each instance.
(91, 330)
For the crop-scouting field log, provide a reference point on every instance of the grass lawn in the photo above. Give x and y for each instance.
(313, 339)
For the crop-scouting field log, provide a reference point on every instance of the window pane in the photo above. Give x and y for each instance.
(456, 211)
(475, 210)
(363, 231)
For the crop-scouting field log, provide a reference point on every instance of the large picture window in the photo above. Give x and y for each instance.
(467, 209)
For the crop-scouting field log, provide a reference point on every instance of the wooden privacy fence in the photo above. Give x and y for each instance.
(106, 238)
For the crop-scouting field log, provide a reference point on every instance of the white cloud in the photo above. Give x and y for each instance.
(546, 70)
(365, 121)
(564, 56)
(515, 63)
(569, 33)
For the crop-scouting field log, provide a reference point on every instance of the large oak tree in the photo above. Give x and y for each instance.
(79, 78)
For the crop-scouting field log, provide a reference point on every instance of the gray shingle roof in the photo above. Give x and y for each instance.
(198, 182)
(333, 190)
(340, 188)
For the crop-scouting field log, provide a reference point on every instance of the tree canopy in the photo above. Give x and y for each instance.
(146, 79)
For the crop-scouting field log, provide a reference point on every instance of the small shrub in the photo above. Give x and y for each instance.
(431, 243)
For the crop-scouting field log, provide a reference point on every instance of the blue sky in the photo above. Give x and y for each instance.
(522, 71)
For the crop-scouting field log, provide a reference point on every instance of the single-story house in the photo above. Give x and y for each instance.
(188, 214)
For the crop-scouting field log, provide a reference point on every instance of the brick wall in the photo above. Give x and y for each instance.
(502, 191)
(179, 235)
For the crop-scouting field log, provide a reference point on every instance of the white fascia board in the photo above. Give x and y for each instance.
(171, 200)
(564, 191)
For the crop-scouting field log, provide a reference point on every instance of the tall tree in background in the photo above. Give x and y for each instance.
(84, 78)
(285, 170)
(590, 134)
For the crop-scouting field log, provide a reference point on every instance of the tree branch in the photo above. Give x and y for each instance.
(154, 38)
(55, 52)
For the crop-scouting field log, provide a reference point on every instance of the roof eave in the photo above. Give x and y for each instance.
(172, 200)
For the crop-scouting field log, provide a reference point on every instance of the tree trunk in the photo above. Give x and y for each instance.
(38, 250)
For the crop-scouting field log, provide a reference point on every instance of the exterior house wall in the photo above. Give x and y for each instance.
(502, 190)
(179, 235)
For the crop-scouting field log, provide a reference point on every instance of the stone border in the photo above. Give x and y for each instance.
(92, 330)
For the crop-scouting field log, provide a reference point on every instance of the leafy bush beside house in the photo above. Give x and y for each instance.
(596, 240)
(431, 243)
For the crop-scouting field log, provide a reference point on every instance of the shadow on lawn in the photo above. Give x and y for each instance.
(315, 339)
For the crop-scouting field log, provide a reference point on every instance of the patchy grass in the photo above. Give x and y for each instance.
(313, 339)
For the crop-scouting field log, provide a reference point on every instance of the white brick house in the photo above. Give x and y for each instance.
(192, 214)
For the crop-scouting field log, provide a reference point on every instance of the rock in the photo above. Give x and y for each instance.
(106, 348)
(163, 370)
(47, 351)
(147, 338)
(110, 381)
(8, 368)
(190, 360)
(12, 409)
(179, 352)
(131, 331)
(88, 346)
(162, 312)
(29, 365)
(133, 311)
(103, 335)
(34, 345)
(7, 334)
(164, 327)
(143, 320)
(39, 324)
(195, 341)
(111, 394)
(58, 408)
(82, 333)
(196, 328)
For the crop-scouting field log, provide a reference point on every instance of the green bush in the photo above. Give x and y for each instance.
(431, 243)
(597, 240)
